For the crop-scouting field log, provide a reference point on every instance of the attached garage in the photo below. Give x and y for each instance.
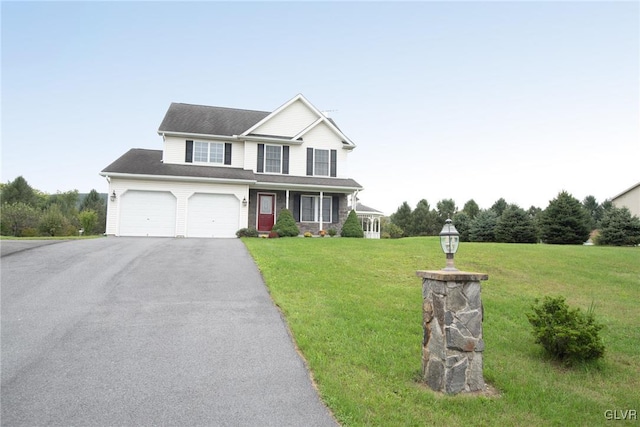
(148, 213)
(212, 215)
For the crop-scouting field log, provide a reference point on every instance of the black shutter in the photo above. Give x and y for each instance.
(334, 163)
(296, 207)
(260, 167)
(188, 154)
(227, 153)
(335, 209)
(285, 159)
(309, 161)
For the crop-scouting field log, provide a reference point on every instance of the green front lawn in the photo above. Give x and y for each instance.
(354, 307)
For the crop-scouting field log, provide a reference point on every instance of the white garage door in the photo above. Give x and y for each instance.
(148, 213)
(212, 215)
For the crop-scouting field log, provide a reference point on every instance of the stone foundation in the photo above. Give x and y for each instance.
(452, 323)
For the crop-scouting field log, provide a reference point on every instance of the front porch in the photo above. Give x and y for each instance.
(312, 210)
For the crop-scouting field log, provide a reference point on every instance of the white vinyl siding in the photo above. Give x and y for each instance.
(288, 122)
(174, 152)
(310, 209)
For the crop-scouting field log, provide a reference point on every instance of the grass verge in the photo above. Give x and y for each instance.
(354, 307)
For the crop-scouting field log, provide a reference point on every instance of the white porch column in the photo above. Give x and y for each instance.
(286, 203)
(321, 202)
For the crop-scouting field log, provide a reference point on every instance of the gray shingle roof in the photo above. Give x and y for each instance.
(149, 162)
(307, 180)
(140, 161)
(362, 208)
(188, 118)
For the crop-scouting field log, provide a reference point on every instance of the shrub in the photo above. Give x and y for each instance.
(88, 220)
(332, 232)
(285, 226)
(568, 335)
(352, 227)
(247, 232)
(53, 222)
(308, 234)
(394, 231)
(18, 216)
(273, 234)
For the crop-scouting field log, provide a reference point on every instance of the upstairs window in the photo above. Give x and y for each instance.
(321, 163)
(208, 152)
(272, 158)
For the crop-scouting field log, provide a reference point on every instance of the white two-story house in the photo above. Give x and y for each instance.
(223, 169)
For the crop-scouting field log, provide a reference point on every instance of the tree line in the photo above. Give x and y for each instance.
(565, 220)
(27, 212)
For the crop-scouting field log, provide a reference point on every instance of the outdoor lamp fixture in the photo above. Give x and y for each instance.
(244, 202)
(113, 196)
(449, 239)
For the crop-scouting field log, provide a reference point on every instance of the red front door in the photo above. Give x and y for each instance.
(266, 211)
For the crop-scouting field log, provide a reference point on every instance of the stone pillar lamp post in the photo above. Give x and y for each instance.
(452, 315)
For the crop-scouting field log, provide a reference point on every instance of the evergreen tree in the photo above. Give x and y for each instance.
(446, 209)
(421, 219)
(564, 221)
(352, 226)
(515, 226)
(595, 211)
(402, 218)
(619, 228)
(483, 227)
(286, 226)
(499, 206)
(462, 222)
(471, 208)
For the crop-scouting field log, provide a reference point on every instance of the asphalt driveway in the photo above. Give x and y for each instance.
(146, 331)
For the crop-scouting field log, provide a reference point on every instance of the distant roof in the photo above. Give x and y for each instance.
(138, 161)
(633, 187)
(360, 208)
(189, 118)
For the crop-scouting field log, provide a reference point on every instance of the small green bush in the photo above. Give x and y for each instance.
(332, 232)
(247, 232)
(352, 227)
(393, 231)
(568, 335)
(286, 226)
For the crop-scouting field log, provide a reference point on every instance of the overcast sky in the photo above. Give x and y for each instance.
(460, 100)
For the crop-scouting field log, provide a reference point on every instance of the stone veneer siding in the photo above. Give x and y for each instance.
(281, 201)
(452, 346)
